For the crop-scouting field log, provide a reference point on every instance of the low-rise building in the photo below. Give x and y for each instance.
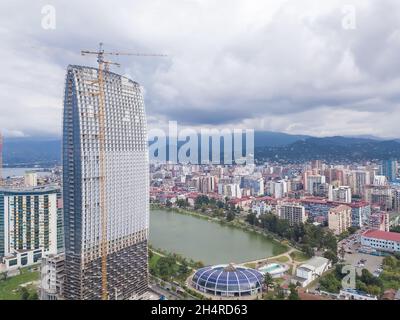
(311, 270)
(52, 277)
(381, 240)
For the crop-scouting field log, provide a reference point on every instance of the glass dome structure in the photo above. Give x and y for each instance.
(228, 280)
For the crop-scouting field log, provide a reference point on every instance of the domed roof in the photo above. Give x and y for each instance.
(228, 278)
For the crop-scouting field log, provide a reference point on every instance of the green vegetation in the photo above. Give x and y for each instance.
(347, 233)
(268, 281)
(390, 276)
(332, 281)
(282, 259)
(13, 288)
(293, 292)
(171, 266)
(366, 282)
(299, 256)
(330, 255)
(395, 229)
(307, 236)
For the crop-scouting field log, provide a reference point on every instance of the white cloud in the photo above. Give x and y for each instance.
(274, 65)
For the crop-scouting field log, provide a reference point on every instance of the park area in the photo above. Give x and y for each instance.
(20, 287)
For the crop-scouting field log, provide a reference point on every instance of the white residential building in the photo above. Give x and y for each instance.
(340, 194)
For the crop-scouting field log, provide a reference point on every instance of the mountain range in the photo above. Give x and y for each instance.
(269, 146)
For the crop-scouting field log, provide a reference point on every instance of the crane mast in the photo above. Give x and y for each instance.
(103, 66)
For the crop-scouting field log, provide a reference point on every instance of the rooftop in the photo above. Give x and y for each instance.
(339, 208)
(25, 190)
(377, 234)
(314, 263)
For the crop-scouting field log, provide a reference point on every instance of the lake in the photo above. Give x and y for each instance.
(207, 241)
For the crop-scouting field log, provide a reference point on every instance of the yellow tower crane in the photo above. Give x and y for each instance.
(103, 66)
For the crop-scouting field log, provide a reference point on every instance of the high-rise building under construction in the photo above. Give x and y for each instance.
(105, 186)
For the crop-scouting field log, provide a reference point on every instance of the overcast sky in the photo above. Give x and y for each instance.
(301, 67)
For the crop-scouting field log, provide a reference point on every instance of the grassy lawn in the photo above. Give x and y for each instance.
(9, 287)
(282, 259)
(299, 256)
(250, 265)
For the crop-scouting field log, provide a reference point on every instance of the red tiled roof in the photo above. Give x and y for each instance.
(377, 234)
(358, 204)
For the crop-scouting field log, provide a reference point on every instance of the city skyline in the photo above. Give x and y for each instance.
(200, 150)
(275, 66)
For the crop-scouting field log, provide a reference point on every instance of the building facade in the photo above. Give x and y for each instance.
(293, 212)
(52, 275)
(340, 194)
(339, 219)
(105, 187)
(389, 169)
(381, 240)
(31, 224)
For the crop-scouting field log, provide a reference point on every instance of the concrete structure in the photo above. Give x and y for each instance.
(52, 275)
(311, 270)
(339, 219)
(116, 218)
(255, 184)
(30, 179)
(231, 190)
(293, 212)
(360, 213)
(31, 224)
(340, 194)
(381, 240)
(389, 169)
(313, 183)
(260, 207)
(379, 195)
(358, 180)
(379, 221)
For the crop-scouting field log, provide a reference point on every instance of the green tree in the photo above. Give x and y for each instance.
(330, 283)
(33, 296)
(268, 280)
(294, 295)
(182, 203)
(308, 250)
(330, 255)
(24, 293)
(252, 219)
(183, 268)
(230, 216)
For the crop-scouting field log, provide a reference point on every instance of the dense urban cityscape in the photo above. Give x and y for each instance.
(319, 217)
(174, 184)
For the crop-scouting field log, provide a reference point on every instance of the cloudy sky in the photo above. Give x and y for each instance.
(303, 67)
